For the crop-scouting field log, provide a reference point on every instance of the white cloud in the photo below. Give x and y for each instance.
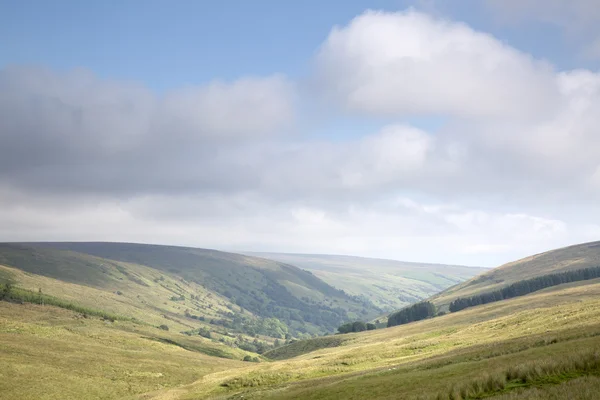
(514, 169)
(246, 107)
(393, 154)
(75, 132)
(396, 228)
(405, 63)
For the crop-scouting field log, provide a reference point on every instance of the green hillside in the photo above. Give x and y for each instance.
(52, 353)
(542, 345)
(244, 286)
(560, 260)
(389, 284)
(533, 347)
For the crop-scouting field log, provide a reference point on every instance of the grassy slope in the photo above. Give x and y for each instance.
(150, 304)
(47, 352)
(426, 357)
(564, 259)
(145, 293)
(226, 277)
(389, 284)
(51, 353)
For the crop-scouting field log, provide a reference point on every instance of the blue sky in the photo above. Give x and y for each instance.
(456, 132)
(169, 44)
(166, 45)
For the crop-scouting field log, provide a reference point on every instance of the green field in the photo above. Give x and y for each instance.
(539, 346)
(430, 358)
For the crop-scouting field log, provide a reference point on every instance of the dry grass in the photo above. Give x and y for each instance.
(452, 349)
(529, 374)
(51, 353)
(584, 388)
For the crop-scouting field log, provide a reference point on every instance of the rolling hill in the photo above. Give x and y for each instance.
(172, 280)
(388, 284)
(559, 260)
(542, 346)
(545, 344)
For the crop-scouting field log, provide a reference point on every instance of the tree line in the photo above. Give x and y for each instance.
(525, 287)
(416, 312)
(357, 326)
(14, 294)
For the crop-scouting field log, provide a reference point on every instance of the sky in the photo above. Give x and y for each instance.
(461, 132)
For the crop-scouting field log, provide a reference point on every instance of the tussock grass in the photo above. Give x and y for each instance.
(538, 372)
(584, 388)
(54, 353)
(258, 380)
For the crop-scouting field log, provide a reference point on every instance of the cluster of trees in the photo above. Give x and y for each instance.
(256, 346)
(416, 312)
(254, 326)
(357, 326)
(525, 287)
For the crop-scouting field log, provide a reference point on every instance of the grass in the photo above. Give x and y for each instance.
(51, 353)
(526, 375)
(262, 287)
(147, 304)
(304, 346)
(150, 304)
(424, 359)
(19, 295)
(584, 388)
(465, 351)
(538, 346)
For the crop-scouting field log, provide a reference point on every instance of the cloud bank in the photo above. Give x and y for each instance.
(514, 169)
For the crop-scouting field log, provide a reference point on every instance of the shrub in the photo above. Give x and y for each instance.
(204, 333)
(164, 327)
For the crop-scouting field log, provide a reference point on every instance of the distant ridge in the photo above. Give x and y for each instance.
(568, 258)
(389, 284)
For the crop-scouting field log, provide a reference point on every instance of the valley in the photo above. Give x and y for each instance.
(273, 200)
(389, 284)
(163, 340)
